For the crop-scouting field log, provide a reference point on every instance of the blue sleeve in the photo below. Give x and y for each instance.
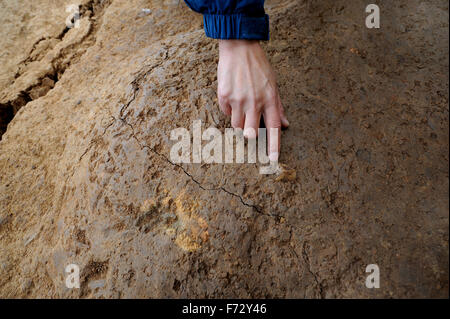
(233, 19)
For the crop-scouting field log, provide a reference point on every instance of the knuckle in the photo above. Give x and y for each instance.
(223, 92)
(257, 107)
(222, 96)
(258, 100)
(251, 107)
(272, 97)
(254, 105)
(222, 101)
(238, 100)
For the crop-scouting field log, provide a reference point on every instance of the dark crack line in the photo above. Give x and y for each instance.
(221, 188)
(136, 87)
(91, 143)
(12, 103)
(308, 267)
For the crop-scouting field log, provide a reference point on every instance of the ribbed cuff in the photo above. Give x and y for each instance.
(236, 26)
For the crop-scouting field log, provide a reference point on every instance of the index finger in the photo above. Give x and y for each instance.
(273, 124)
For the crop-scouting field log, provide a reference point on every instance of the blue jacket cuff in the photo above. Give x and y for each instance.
(236, 26)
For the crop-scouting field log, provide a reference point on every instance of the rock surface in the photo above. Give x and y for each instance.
(85, 175)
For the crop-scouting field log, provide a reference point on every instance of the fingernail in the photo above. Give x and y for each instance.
(285, 121)
(273, 157)
(249, 133)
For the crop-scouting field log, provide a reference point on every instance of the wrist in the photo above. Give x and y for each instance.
(234, 44)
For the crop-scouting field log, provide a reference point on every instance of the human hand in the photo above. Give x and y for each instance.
(247, 89)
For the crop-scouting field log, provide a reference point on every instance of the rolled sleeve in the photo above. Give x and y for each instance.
(243, 19)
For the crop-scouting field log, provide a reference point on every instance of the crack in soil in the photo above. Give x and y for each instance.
(136, 87)
(92, 142)
(47, 82)
(308, 267)
(221, 188)
(135, 84)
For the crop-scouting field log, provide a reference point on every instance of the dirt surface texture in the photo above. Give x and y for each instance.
(86, 176)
